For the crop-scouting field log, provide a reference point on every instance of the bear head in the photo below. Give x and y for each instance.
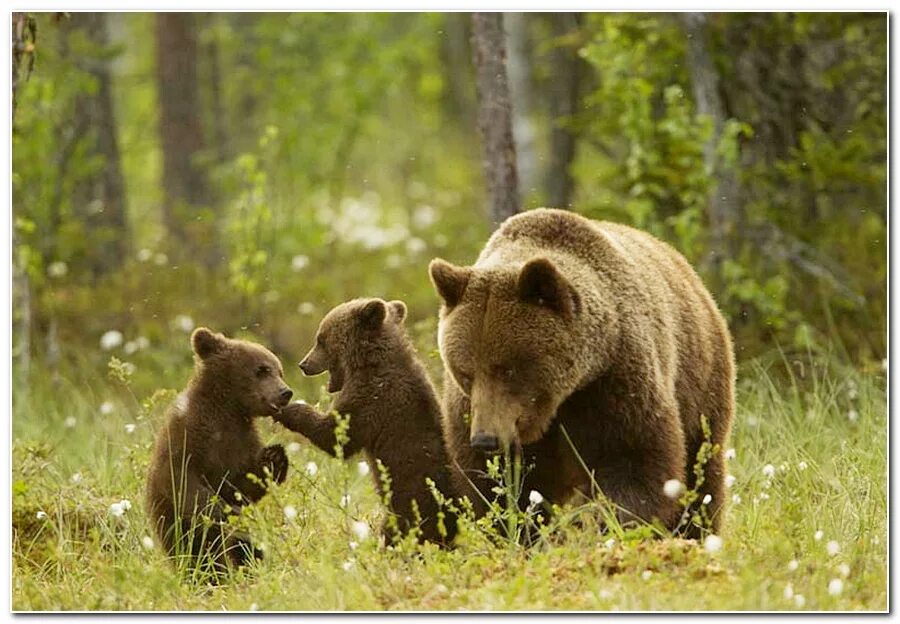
(347, 333)
(514, 339)
(244, 373)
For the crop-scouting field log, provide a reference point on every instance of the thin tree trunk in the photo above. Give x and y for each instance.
(24, 34)
(181, 134)
(565, 87)
(724, 202)
(495, 116)
(217, 109)
(519, 67)
(457, 67)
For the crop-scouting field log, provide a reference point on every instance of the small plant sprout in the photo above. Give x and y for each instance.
(293, 447)
(290, 512)
(360, 529)
(707, 499)
(730, 480)
(238, 496)
(802, 466)
(832, 548)
(730, 454)
(41, 515)
(712, 543)
(818, 535)
(535, 497)
(673, 488)
(835, 586)
(799, 601)
(311, 469)
(130, 427)
(646, 574)
(107, 408)
(793, 564)
(111, 339)
(769, 471)
(362, 468)
(844, 570)
(70, 422)
(788, 591)
(147, 542)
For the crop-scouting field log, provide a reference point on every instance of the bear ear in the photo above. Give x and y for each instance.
(398, 310)
(205, 343)
(373, 313)
(449, 280)
(542, 284)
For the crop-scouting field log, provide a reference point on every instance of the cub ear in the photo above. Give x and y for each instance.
(373, 313)
(542, 284)
(398, 310)
(449, 280)
(205, 343)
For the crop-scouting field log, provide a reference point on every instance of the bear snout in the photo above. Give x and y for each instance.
(485, 442)
(285, 395)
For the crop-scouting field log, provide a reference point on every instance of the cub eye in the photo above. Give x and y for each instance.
(464, 380)
(263, 370)
(320, 342)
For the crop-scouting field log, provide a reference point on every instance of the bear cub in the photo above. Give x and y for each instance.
(209, 447)
(380, 383)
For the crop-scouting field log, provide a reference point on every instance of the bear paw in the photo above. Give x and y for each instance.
(275, 459)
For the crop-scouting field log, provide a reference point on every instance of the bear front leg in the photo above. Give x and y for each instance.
(318, 428)
(271, 463)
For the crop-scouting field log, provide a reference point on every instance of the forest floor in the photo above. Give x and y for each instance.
(806, 526)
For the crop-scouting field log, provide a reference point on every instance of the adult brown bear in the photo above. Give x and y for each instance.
(597, 328)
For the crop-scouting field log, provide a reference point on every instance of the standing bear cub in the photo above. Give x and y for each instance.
(208, 460)
(394, 413)
(595, 349)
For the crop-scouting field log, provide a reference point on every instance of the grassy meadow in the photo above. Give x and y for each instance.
(805, 530)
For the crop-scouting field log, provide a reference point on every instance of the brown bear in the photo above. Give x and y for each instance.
(208, 459)
(394, 411)
(572, 329)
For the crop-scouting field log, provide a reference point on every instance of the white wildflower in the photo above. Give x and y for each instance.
(347, 564)
(672, 488)
(107, 408)
(769, 470)
(290, 512)
(835, 586)
(130, 427)
(116, 510)
(802, 466)
(788, 591)
(57, 269)
(362, 468)
(729, 480)
(311, 469)
(884, 364)
(736, 499)
(646, 574)
(293, 447)
(353, 545)
(70, 422)
(144, 255)
(360, 529)
(712, 543)
(254, 606)
(147, 542)
(793, 564)
(299, 262)
(832, 548)
(160, 259)
(764, 496)
(110, 340)
(730, 454)
(184, 323)
(783, 467)
(125, 503)
(818, 535)
(852, 416)
(609, 543)
(799, 601)
(852, 393)
(844, 570)
(41, 515)
(345, 500)
(306, 308)
(535, 497)
(75, 478)
(707, 499)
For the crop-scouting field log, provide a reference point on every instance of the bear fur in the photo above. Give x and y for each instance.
(209, 445)
(565, 325)
(394, 411)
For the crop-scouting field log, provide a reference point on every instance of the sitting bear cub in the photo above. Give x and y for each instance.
(394, 413)
(208, 448)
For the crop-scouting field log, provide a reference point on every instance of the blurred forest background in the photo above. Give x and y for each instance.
(247, 171)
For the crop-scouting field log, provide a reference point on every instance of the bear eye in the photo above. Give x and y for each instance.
(263, 370)
(464, 380)
(320, 341)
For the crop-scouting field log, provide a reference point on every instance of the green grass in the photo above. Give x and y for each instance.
(80, 557)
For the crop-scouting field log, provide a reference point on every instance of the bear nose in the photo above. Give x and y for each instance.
(286, 394)
(303, 366)
(485, 442)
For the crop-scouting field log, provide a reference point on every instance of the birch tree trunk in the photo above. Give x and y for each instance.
(495, 116)
(565, 80)
(519, 69)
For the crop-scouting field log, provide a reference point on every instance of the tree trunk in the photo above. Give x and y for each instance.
(24, 33)
(495, 116)
(520, 91)
(214, 86)
(565, 77)
(456, 56)
(186, 201)
(723, 205)
(100, 197)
